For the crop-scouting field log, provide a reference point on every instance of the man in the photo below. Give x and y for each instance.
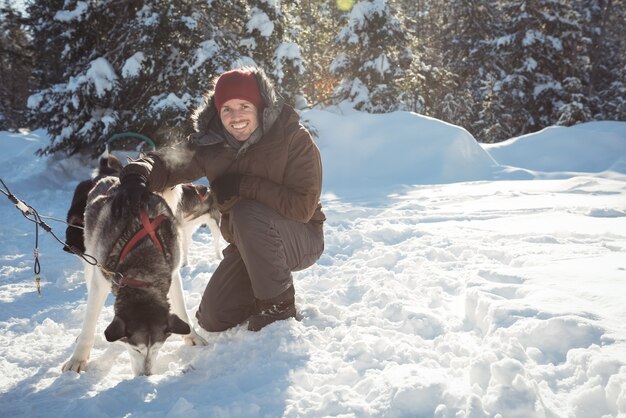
(266, 173)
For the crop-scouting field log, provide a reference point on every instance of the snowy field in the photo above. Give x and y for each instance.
(458, 280)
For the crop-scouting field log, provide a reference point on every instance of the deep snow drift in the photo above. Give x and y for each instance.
(481, 287)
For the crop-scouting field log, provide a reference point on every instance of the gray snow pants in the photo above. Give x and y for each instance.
(268, 247)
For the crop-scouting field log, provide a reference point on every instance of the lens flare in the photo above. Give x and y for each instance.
(345, 5)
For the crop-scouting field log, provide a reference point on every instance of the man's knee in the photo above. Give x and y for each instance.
(210, 320)
(244, 211)
(247, 219)
(219, 313)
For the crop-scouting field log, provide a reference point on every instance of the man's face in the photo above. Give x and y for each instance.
(240, 118)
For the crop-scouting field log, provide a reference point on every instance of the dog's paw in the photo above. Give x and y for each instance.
(194, 339)
(75, 365)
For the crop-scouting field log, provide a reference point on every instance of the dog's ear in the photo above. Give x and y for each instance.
(175, 325)
(115, 330)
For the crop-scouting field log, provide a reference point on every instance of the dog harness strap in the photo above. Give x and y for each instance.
(149, 228)
(135, 283)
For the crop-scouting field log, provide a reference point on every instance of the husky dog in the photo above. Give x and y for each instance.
(198, 207)
(109, 165)
(140, 257)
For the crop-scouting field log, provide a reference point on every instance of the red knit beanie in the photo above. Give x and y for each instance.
(237, 84)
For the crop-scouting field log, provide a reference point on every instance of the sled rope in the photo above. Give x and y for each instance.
(31, 214)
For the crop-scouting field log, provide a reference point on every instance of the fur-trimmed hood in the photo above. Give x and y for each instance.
(206, 120)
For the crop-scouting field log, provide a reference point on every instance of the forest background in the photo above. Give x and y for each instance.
(85, 70)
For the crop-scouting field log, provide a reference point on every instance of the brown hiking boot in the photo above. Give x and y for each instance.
(271, 310)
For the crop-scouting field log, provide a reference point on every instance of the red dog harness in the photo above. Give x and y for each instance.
(149, 228)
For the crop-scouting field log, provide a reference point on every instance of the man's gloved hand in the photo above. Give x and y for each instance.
(226, 187)
(130, 194)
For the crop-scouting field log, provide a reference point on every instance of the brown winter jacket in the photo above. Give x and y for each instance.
(283, 170)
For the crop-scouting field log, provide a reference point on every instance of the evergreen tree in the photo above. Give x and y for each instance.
(500, 69)
(605, 24)
(48, 40)
(268, 42)
(536, 53)
(465, 32)
(425, 79)
(15, 69)
(141, 73)
(576, 109)
(314, 24)
(373, 57)
(224, 23)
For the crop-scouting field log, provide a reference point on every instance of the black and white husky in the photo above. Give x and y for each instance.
(198, 207)
(139, 256)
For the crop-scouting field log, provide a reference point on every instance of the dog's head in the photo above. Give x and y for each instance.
(144, 328)
(109, 165)
(197, 200)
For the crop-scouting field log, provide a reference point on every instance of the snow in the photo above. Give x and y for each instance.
(288, 53)
(379, 64)
(540, 88)
(366, 153)
(458, 280)
(170, 100)
(365, 10)
(133, 65)
(69, 15)
(587, 147)
(261, 22)
(205, 51)
(529, 66)
(102, 75)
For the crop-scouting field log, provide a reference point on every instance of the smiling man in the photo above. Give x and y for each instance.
(266, 173)
(239, 101)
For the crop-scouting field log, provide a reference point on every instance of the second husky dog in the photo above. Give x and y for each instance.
(109, 165)
(197, 208)
(140, 257)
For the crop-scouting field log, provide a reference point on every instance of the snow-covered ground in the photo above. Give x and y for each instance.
(458, 280)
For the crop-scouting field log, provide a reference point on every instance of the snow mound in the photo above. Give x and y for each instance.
(589, 148)
(366, 153)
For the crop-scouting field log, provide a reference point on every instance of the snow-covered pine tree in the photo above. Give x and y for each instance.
(16, 65)
(373, 57)
(536, 51)
(604, 25)
(576, 107)
(130, 66)
(422, 74)
(227, 20)
(464, 31)
(268, 42)
(171, 65)
(314, 24)
(48, 39)
(559, 82)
